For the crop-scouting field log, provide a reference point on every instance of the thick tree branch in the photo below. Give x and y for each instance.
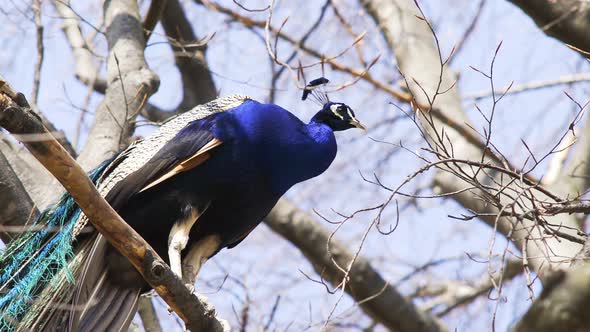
(565, 20)
(148, 315)
(152, 17)
(86, 69)
(17, 118)
(430, 82)
(130, 82)
(563, 304)
(14, 202)
(189, 54)
(376, 296)
(35, 179)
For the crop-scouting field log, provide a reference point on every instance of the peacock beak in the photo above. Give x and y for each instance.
(356, 123)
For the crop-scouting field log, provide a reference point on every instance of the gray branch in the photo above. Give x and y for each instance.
(14, 202)
(565, 20)
(418, 58)
(34, 177)
(130, 83)
(376, 296)
(148, 315)
(563, 304)
(189, 55)
(86, 69)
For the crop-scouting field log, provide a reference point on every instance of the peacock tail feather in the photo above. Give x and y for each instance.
(30, 262)
(49, 274)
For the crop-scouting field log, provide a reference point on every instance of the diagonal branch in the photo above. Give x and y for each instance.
(152, 17)
(535, 85)
(86, 70)
(17, 118)
(455, 294)
(563, 304)
(130, 82)
(376, 296)
(566, 20)
(431, 83)
(331, 61)
(189, 55)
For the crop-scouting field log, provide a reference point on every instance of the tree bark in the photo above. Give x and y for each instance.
(129, 83)
(376, 296)
(565, 20)
(198, 316)
(563, 304)
(418, 58)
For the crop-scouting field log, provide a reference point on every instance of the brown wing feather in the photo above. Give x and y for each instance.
(187, 164)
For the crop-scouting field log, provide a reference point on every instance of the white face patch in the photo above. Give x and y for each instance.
(334, 109)
(349, 113)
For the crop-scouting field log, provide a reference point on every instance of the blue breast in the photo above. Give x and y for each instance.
(267, 140)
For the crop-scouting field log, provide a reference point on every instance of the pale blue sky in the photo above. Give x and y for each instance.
(264, 263)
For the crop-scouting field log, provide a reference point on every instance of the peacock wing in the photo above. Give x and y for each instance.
(191, 147)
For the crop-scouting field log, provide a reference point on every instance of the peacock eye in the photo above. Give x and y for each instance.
(344, 111)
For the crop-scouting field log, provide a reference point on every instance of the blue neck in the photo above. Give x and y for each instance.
(303, 157)
(276, 144)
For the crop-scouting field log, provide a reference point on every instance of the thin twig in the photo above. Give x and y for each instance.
(40, 51)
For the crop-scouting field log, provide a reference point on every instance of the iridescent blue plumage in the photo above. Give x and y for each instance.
(32, 259)
(201, 183)
(285, 149)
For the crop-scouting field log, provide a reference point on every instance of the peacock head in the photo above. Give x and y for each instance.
(337, 116)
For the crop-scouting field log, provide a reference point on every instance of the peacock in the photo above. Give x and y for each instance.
(200, 183)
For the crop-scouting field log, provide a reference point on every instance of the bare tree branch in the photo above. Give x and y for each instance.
(376, 296)
(418, 57)
(14, 202)
(40, 51)
(562, 305)
(469, 31)
(331, 61)
(86, 69)
(130, 83)
(566, 20)
(535, 85)
(453, 295)
(152, 17)
(147, 312)
(189, 54)
(17, 118)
